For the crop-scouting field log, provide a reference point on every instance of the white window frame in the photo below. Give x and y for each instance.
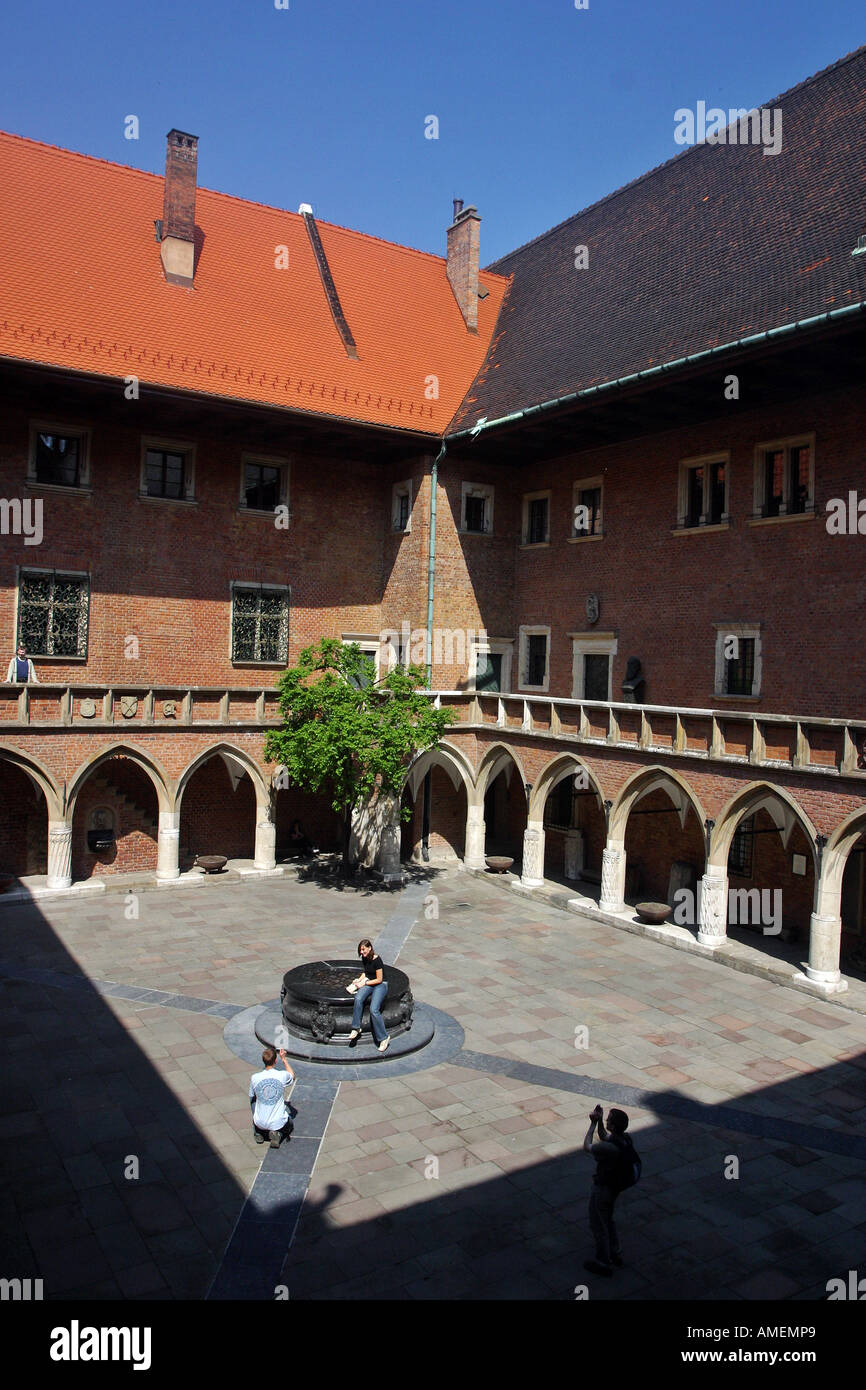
(535, 630)
(186, 447)
(399, 490)
(268, 461)
(369, 644)
(760, 497)
(739, 629)
(576, 489)
(80, 432)
(484, 490)
(528, 497)
(494, 646)
(271, 588)
(591, 644)
(703, 461)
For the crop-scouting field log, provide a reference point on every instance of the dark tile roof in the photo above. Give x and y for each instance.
(721, 242)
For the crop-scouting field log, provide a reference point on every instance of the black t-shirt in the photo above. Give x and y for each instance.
(372, 965)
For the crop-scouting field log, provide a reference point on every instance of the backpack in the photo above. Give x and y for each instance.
(628, 1168)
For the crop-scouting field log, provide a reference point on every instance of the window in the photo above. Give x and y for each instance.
(740, 856)
(740, 669)
(59, 456)
(586, 514)
(703, 492)
(401, 507)
(536, 518)
(490, 666)
(738, 660)
(167, 470)
(477, 509)
(164, 473)
(261, 486)
(260, 624)
(785, 478)
(534, 657)
(592, 665)
(370, 648)
(264, 484)
(52, 613)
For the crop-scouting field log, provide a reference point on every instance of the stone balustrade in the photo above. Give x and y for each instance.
(775, 741)
(163, 707)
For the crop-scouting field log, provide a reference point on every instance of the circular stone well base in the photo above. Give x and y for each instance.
(270, 1020)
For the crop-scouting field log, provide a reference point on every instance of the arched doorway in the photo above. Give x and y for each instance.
(574, 823)
(436, 793)
(217, 799)
(502, 787)
(115, 819)
(660, 823)
(23, 822)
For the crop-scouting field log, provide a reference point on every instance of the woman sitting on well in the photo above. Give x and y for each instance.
(372, 985)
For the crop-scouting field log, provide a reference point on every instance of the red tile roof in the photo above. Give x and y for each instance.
(83, 288)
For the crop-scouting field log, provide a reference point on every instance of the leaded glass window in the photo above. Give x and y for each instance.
(52, 614)
(741, 668)
(164, 472)
(260, 625)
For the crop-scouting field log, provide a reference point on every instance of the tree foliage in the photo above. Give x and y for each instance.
(344, 732)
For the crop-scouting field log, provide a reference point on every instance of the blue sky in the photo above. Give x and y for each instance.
(542, 108)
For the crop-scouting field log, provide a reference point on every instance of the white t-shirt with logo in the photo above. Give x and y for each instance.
(269, 1089)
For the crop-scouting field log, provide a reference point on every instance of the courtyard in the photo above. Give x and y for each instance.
(455, 1173)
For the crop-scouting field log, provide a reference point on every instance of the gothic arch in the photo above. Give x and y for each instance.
(496, 759)
(149, 765)
(650, 779)
(759, 796)
(228, 752)
(559, 767)
(39, 774)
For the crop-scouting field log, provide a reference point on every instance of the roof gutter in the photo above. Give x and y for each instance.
(483, 425)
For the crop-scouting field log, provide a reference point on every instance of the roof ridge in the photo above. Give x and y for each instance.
(657, 168)
(232, 197)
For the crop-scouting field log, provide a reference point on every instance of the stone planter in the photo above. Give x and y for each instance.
(498, 863)
(211, 863)
(654, 913)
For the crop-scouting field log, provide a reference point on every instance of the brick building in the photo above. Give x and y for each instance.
(611, 482)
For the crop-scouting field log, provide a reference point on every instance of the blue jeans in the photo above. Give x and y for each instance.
(376, 994)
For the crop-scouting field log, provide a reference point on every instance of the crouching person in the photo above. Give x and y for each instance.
(268, 1088)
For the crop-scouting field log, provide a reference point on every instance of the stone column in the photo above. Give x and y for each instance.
(533, 856)
(825, 939)
(613, 877)
(575, 848)
(168, 846)
(713, 907)
(266, 843)
(476, 830)
(59, 854)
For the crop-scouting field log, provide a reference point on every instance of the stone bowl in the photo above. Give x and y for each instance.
(656, 913)
(211, 863)
(498, 863)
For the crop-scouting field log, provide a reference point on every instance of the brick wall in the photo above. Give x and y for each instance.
(217, 817)
(127, 794)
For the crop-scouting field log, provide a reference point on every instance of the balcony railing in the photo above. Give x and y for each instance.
(136, 706)
(780, 741)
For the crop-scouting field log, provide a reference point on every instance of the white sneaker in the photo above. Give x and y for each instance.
(355, 1033)
(383, 1045)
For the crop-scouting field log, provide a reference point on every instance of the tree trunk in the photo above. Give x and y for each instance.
(347, 840)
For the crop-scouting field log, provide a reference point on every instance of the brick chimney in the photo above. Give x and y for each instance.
(462, 268)
(177, 243)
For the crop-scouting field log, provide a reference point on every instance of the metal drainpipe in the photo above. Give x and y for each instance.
(431, 561)
(431, 579)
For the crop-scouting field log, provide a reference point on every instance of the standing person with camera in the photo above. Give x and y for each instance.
(617, 1167)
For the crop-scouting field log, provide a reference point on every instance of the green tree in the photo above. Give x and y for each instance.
(347, 734)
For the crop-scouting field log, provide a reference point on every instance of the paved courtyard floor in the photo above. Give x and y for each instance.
(125, 1129)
